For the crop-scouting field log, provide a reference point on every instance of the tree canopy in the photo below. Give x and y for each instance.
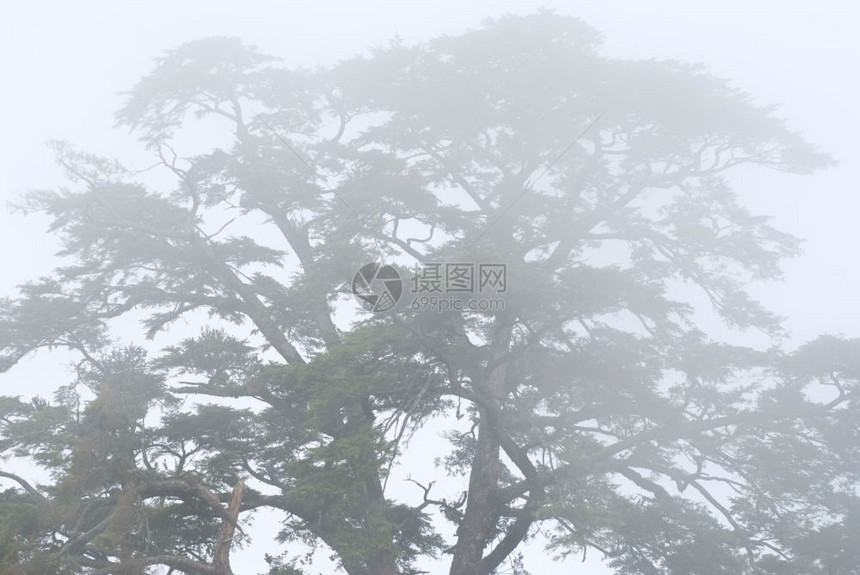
(593, 413)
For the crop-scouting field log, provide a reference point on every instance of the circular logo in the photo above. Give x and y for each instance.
(377, 286)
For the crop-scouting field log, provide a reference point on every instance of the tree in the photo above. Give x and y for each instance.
(599, 412)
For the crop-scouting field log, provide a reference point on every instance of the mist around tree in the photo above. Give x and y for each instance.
(595, 414)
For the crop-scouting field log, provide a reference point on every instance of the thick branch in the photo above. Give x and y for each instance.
(24, 484)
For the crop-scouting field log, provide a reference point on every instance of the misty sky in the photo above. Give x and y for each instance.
(64, 64)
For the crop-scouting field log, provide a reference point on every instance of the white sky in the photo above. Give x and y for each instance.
(62, 65)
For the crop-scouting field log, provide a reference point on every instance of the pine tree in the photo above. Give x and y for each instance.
(600, 412)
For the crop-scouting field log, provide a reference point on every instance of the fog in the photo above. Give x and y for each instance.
(66, 66)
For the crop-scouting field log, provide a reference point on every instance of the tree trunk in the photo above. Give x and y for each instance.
(479, 517)
(221, 558)
(481, 514)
